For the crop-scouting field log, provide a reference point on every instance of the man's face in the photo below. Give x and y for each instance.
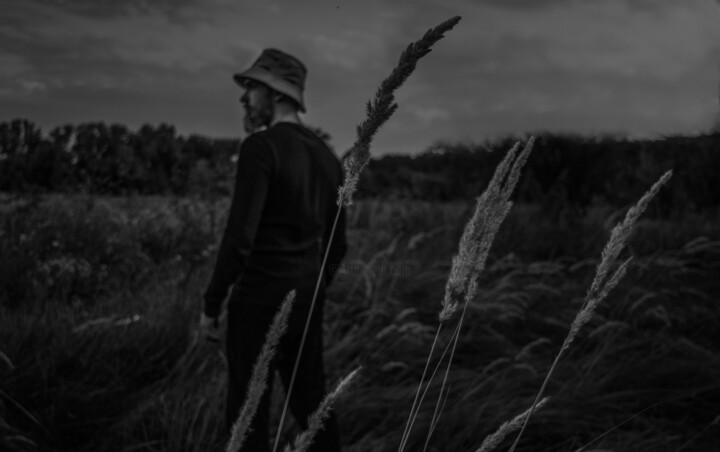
(258, 104)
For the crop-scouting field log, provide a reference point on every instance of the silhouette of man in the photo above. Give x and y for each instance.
(278, 229)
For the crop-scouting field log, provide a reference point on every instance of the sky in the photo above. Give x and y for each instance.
(639, 68)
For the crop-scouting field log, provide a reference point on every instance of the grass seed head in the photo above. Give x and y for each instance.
(601, 285)
(491, 209)
(492, 441)
(383, 105)
(621, 233)
(258, 381)
(316, 421)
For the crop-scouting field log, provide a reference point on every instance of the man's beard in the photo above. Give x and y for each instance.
(258, 116)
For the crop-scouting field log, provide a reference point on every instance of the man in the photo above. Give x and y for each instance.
(278, 229)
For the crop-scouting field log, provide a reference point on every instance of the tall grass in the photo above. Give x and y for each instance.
(602, 283)
(379, 110)
(320, 415)
(382, 107)
(258, 382)
(134, 386)
(494, 440)
(491, 209)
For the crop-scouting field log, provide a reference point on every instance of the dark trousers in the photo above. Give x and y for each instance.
(247, 325)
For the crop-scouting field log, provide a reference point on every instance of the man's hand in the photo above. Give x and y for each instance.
(209, 328)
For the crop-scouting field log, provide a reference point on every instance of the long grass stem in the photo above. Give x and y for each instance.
(378, 112)
(602, 283)
(289, 389)
(413, 414)
(417, 393)
(436, 413)
(434, 424)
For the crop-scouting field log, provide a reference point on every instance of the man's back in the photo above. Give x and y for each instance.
(283, 209)
(300, 204)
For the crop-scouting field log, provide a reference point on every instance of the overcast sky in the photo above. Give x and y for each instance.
(638, 67)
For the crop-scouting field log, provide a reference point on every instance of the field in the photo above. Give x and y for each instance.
(99, 298)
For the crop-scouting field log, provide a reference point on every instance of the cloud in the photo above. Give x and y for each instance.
(351, 50)
(63, 48)
(569, 55)
(180, 11)
(613, 38)
(524, 4)
(32, 85)
(334, 51)
(11, 65)
(429, 115)
(627, 38)
(509, 66)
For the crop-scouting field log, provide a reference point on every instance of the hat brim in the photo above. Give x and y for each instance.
(273, 81)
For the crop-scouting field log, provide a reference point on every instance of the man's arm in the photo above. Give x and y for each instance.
(254, 171)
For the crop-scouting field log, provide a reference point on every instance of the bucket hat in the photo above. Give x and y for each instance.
(280, 71)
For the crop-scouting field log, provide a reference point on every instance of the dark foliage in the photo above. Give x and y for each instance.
(101, 159)
(564, 173)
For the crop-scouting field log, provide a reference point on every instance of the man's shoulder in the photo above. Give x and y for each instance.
(284, 134)
(259, 138)
(285, 130)
(256, 150)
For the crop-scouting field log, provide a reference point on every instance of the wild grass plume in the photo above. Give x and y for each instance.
(383, 105)
(317, 419)
(602, 284)
(491, 208)
(492, 441)
(258, 381)
(661, 325)
(379, 110)
(620, 234)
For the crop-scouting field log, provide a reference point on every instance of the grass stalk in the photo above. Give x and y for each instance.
(258, 381)
(417, 393)
(3, 358)
(492, 441)
(316, 421)
(602, 284)
(305, 333)
(616, 426)
(436, 420)
(416, 410)
(436, 413)
(491, 209)
(379, 111)
(715, 422)
(383, 105)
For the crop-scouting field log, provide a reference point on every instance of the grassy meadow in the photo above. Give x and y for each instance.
(99, 298)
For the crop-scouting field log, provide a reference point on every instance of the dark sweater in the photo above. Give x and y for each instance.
(280, 219)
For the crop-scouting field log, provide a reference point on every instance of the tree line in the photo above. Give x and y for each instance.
(564, 170)
(111, 159)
